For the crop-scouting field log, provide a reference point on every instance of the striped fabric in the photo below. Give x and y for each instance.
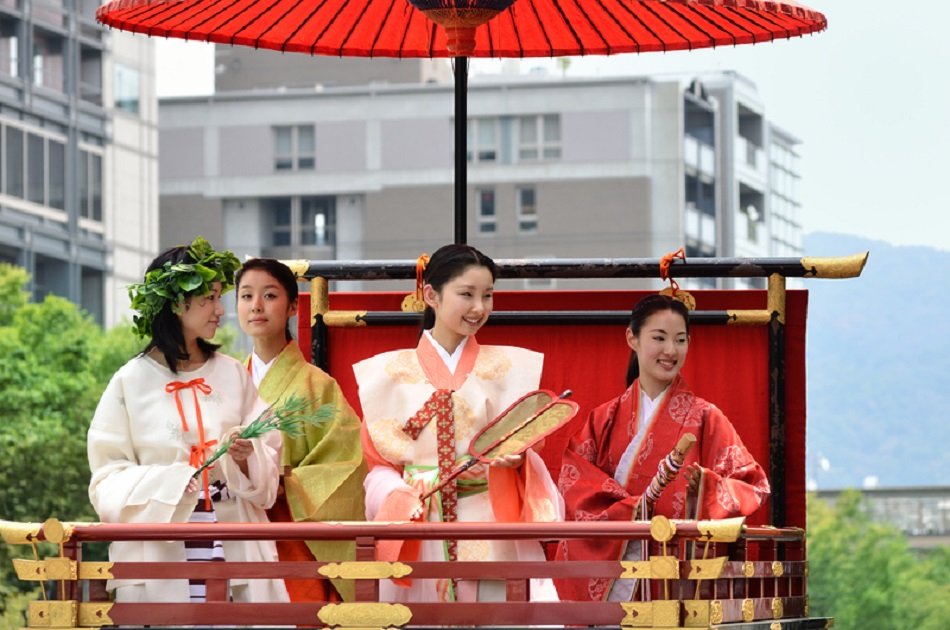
(205, 550)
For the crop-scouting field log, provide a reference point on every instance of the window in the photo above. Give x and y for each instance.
(13, 184)
(57, 174)
(36, 168)
(9, 48)
(90, 185)
(280, 210)
(90, 78)
(301, 221)
(485, 202)
(483, 136)
(126, 89)
(47, 60)
(539, 137)
(317, 220)
(294, 148)
(527, 210)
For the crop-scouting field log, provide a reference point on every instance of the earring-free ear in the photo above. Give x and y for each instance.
(631, 340)
(430, 296)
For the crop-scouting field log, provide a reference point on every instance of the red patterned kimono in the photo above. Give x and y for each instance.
(733, 483)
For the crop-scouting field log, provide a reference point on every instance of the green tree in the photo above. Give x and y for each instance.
(863, 574)
(54, 363)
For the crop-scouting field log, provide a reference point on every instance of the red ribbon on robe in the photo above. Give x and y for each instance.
(439, 407)
(199, 451)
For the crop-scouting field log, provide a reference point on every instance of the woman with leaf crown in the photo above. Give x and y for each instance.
(161, 417)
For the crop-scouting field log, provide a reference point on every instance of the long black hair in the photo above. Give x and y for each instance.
(167, 335)
(277, 270)
(641, 312)
(447, 263)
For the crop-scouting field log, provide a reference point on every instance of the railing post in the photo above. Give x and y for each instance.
(366, 590)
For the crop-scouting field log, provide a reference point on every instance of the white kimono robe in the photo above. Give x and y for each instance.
(393, 386)
(139, 458)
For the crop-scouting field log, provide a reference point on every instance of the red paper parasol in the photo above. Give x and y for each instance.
(466, 28)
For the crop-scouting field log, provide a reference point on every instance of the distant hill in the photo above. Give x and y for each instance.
(878, 361)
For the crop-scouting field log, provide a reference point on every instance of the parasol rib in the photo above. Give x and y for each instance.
(290, 38)
(700, 16)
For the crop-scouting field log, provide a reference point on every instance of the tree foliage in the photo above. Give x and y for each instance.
(863, 574)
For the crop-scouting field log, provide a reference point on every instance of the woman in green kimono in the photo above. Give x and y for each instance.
(323, 468)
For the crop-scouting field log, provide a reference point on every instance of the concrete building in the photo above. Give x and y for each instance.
(605, 167)
(78, 182)
(921, 513)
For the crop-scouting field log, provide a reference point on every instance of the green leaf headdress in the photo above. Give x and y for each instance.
(172, 283)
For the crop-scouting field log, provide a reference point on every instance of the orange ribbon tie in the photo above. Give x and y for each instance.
(666, 262)
(199, 451)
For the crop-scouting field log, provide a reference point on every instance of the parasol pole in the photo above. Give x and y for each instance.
(461, 148)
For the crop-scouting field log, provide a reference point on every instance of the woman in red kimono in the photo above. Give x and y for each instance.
(611, 460)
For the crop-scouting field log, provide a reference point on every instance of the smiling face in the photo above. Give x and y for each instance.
(462, 306)
(263, 306)
(661, 348)
(201, 315)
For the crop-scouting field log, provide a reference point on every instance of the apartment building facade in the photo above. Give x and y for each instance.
(78, 153)
(557, 167)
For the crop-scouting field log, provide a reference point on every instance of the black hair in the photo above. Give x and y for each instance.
(449, 262)
(280, 272)
(167, 335)
(641, 312)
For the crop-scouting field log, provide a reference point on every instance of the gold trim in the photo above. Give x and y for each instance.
(19, 533)
(53, 614)
(365, 570)
(365, 615)
(807, 602)
(778, 608)
(748, 610)
(29, 570)
(664, 568)
(637, 615)
(635, 569)
(697, 614)
(722, 530)
(344, 319)
(775, 626)
(838, 267)
(662, 529)
(778, 569)
(95, 571)
(412, 304)
(748, 569)
(319, 298)
(706, 569)
(805, 567)
(95, 614)
(750, 317)
(56, 531)
(666, 614)
(61, 569)
(715, 611)
(299, 266)
(776, 297)
(37, 615)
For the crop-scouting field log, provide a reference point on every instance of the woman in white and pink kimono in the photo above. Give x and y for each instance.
(163, 414)
(422, 407)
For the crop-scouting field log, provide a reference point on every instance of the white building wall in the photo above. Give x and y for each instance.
(130, 187)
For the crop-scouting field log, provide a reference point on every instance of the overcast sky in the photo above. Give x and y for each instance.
(869, 98)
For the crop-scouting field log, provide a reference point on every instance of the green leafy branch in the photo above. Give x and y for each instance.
(288, 417)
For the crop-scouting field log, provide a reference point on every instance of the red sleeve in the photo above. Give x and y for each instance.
(734, 484)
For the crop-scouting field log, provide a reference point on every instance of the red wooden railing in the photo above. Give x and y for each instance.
(750, 573)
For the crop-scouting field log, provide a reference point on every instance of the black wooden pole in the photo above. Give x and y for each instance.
(461, 148)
